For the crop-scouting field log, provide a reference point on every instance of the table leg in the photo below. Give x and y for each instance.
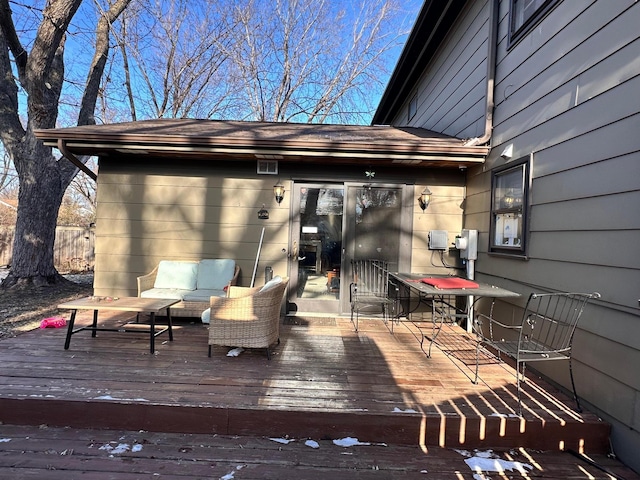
(170, 324)
(70, 330)
(95, 323)
(152, 340)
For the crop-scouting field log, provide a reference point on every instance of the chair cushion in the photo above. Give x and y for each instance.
(203, 295)
(175, 274)
(206, 316)
(272, 283)
(176, 293)
(215, 274)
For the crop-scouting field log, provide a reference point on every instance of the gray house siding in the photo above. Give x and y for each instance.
(451, 97)
(567, 97)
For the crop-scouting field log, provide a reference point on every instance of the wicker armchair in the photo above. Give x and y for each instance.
(247, 317)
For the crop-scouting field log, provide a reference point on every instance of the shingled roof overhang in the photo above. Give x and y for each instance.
(285, 142)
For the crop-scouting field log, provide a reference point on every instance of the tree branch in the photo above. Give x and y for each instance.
(11, 38)
(92, 89)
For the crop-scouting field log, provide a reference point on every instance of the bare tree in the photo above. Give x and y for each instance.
(312, 60)
(39, 75)
(281, 60)
(7, 177)
(172, 62)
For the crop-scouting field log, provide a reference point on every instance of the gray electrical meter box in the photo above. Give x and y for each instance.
(467, 243)
(438, 240)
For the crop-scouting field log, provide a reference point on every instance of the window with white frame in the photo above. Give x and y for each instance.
(509, 199)
(525, 14)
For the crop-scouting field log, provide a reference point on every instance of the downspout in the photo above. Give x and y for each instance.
(494, 11)
(73, 159)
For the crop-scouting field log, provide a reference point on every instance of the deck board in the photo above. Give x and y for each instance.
(323, 379)
(63, 453)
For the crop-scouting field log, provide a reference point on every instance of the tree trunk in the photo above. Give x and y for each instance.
(39, 198)
(42, 179)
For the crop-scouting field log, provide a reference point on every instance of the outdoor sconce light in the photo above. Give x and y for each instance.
(278, 192)
(424, 198)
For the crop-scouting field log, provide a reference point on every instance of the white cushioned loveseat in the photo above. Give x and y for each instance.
(193, 282)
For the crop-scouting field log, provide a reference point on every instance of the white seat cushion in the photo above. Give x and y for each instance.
(206, 316)
(176, 293)
(215, 274)
(203, 295)
(176, 274)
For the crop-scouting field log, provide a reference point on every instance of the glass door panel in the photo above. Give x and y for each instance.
(316, 258)
(374, 228)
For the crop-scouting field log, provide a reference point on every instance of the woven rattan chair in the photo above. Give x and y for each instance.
(247, 317)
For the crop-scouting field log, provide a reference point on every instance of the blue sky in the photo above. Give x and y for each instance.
(79, 47)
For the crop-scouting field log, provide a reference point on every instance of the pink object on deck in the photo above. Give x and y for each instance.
(53, 322)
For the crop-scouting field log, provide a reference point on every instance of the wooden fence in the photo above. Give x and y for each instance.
(72, 252)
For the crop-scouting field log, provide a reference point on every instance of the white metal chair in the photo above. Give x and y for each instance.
(545, 332)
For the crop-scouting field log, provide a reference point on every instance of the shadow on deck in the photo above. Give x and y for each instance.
(324, 381)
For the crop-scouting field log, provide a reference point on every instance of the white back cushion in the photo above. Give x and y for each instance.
(272, 283)
(175, 274)
(215, 274)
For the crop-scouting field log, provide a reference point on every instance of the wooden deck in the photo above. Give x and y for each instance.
(66, 453)
(324, 382)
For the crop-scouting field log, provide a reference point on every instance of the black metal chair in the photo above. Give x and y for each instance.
(545, 332)
(369, 289)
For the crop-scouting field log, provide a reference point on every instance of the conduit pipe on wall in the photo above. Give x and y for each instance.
(494, 10)
(62, 146)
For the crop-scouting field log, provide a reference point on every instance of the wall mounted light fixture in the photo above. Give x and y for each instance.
(424, 198)
(278, 192)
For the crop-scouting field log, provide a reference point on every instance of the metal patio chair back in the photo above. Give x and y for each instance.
(545, 332)
(369, 288)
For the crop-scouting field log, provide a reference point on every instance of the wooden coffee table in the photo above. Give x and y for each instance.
(122, 304)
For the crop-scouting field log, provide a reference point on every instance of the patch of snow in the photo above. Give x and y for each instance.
(234, 352)
(230, 475)
(284, 441)
(407, 410)
(479, 464)
(312, 444)
(488, 462)
(350, 442)
(120, 448)
(136, 448)
(109, 397)
(504, 415)
(5, 440)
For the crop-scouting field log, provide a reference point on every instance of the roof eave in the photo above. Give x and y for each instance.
(291, 151)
